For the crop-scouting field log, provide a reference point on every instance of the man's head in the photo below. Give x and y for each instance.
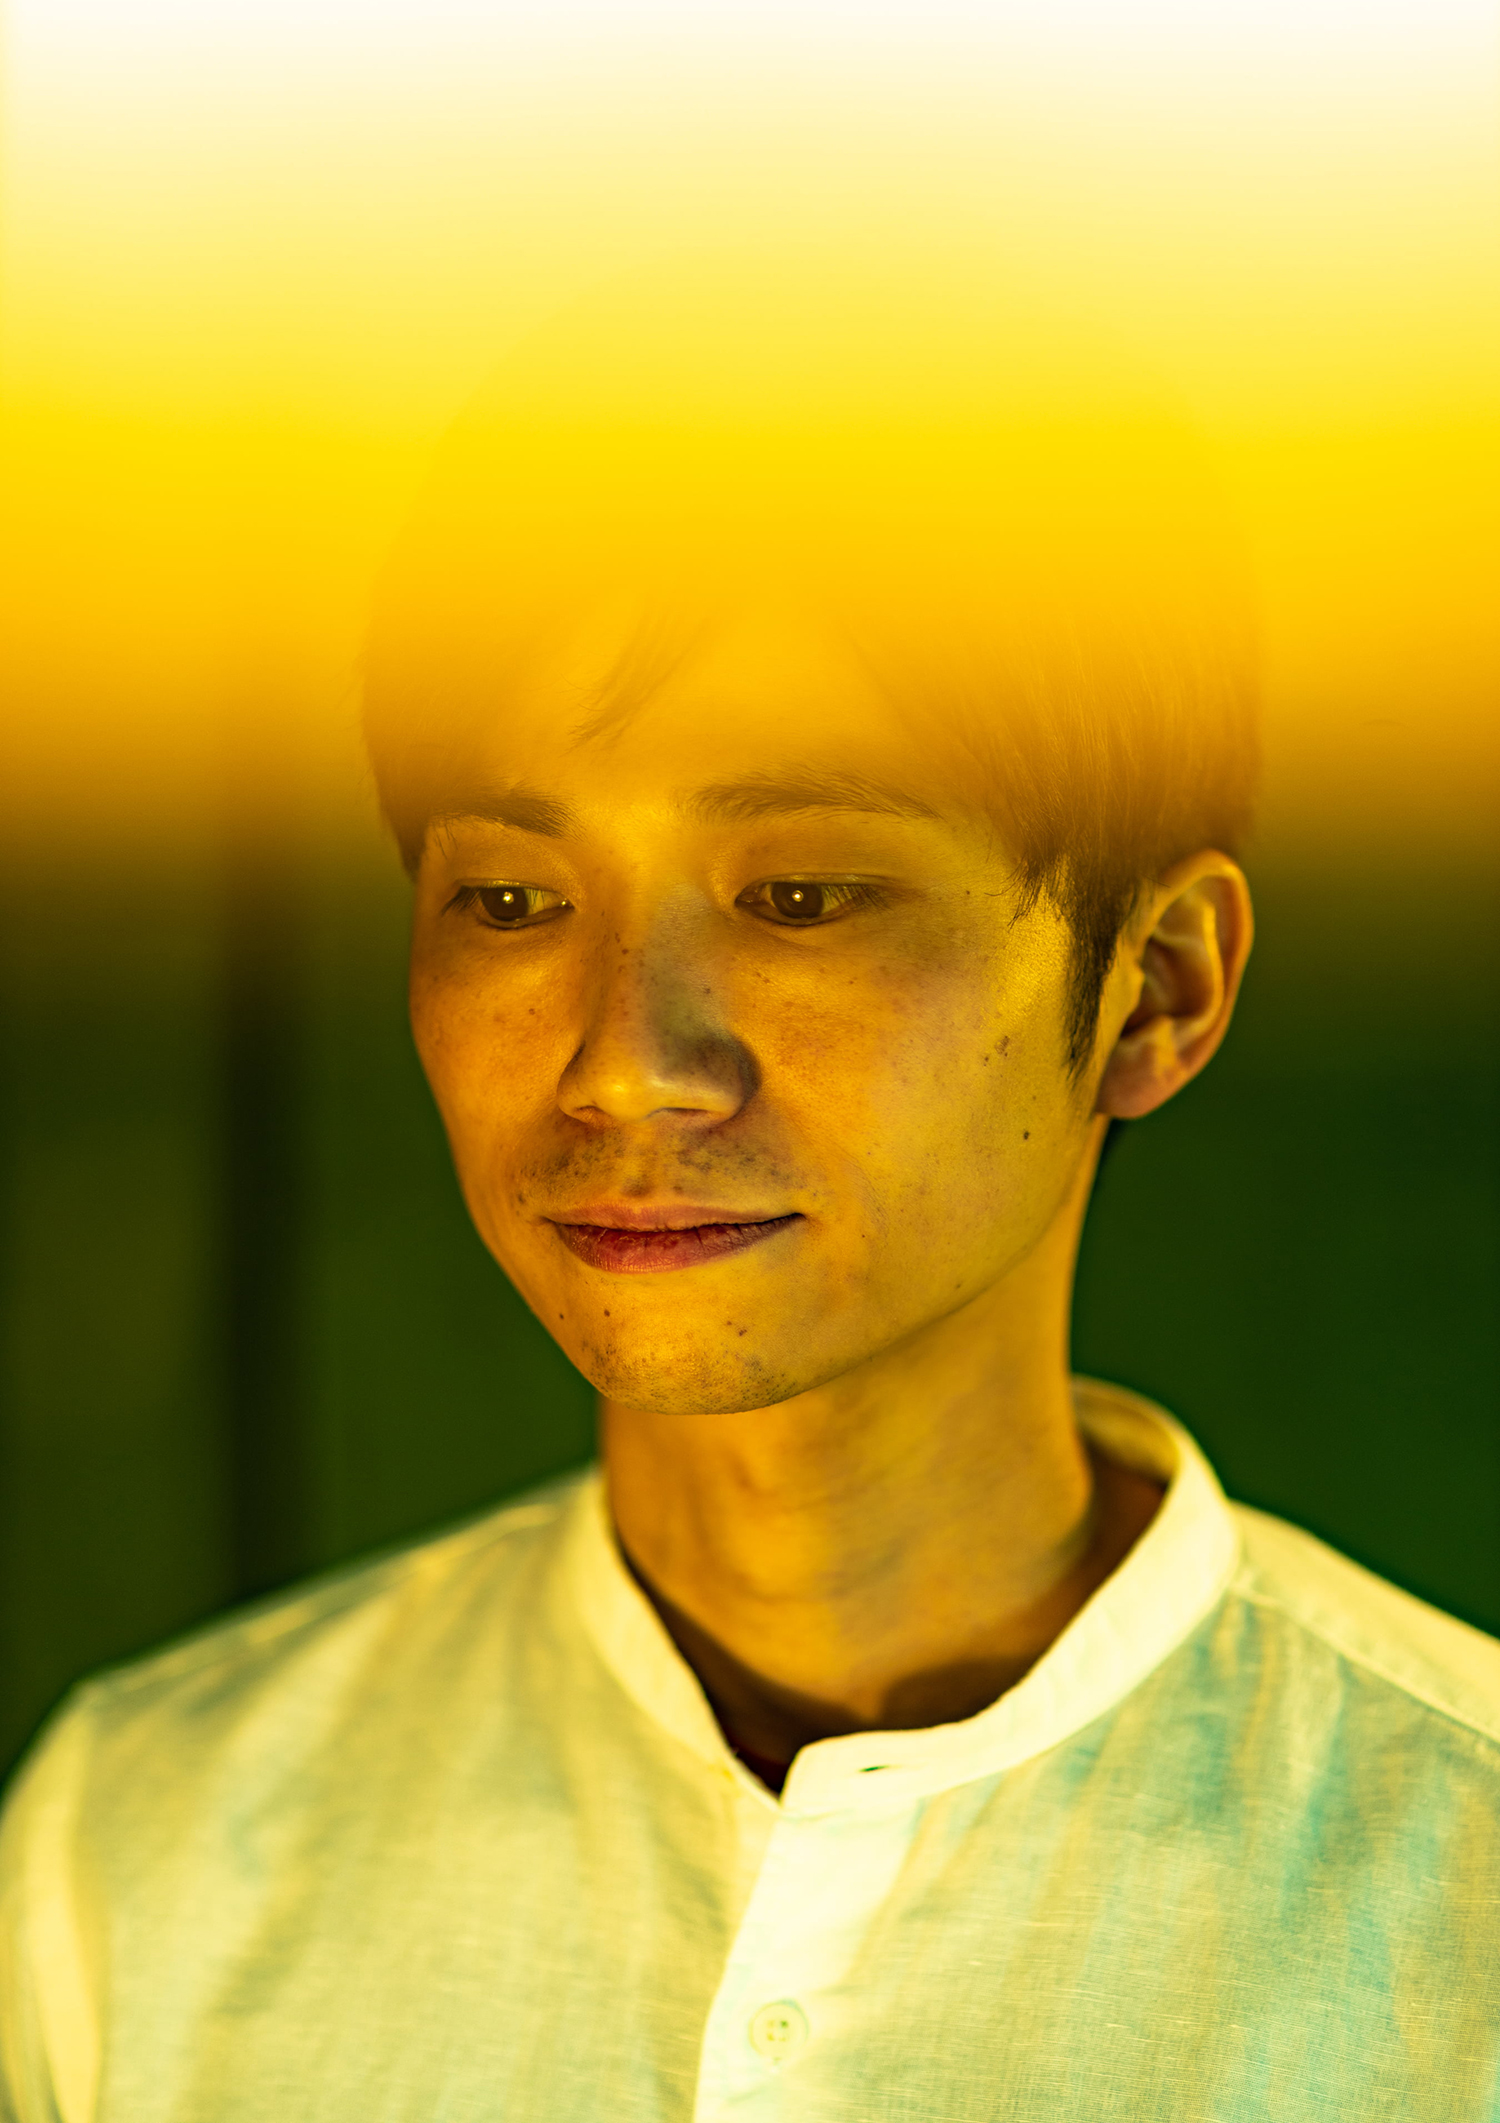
(809, 725)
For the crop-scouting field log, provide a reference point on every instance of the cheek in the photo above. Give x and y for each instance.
(868, 1044)
(932, 1086)
(442, 1015)
(484, 1050)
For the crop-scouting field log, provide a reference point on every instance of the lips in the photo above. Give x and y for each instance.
(642, 1242)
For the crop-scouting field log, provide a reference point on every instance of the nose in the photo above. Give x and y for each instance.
(655, 1040)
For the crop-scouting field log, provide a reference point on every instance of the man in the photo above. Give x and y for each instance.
(818, 725)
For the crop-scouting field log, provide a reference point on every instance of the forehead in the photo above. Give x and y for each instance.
(676, 707)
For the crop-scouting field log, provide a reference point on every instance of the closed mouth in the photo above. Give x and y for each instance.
(639, 1248)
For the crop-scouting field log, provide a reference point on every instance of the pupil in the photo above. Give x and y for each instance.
(798, 902)
(504, 903)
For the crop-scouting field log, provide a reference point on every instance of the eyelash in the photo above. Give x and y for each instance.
(472, 895)
(848, 897)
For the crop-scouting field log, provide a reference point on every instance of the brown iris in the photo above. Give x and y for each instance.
(505, 903)
(798, 902)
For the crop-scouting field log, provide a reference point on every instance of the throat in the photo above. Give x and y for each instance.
(928, 1659)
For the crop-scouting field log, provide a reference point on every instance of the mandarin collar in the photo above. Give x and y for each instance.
(1172, 1578)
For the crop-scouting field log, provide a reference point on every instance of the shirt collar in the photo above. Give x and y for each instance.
(1175, 1574)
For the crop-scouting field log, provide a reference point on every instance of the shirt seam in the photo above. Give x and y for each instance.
(1369, 1664)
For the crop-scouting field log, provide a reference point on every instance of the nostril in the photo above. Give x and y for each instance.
(636, 1071)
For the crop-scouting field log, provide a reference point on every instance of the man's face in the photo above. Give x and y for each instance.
(749, 1072)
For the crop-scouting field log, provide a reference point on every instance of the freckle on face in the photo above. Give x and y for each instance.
(851, 1112)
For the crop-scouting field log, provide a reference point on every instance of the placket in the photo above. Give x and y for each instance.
(824, 1878)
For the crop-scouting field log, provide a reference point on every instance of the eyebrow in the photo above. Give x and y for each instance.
(779, 795)
(528, 810)
(741, 802)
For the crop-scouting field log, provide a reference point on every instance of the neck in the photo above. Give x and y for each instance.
(894, 1548)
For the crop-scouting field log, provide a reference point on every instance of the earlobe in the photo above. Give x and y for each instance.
(1174, 986)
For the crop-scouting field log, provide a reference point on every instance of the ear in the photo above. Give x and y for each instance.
(1172, 989)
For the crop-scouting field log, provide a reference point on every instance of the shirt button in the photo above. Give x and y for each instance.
(778, 2031)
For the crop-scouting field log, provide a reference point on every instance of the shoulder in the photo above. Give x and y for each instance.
(278, 1675)
(194, 1779)
(1428, 1663)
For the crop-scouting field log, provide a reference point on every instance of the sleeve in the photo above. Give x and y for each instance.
(49, 2025)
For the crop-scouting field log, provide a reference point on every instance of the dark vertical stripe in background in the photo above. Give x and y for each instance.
(262, 1206)
(113, 1482)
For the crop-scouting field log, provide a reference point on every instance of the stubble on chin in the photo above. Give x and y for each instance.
(715, 1372)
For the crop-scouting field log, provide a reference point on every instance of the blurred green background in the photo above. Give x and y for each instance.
(249, 1332)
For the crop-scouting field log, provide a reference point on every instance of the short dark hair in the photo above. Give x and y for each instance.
(1018, 536)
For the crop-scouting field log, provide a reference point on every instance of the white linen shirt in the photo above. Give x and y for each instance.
(454, 1837)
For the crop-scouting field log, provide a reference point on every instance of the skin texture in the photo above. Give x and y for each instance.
(842, 1459)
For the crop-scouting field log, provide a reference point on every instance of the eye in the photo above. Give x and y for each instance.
(509, 906)
(803, 901)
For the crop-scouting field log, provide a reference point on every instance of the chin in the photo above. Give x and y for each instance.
(685, 1380)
